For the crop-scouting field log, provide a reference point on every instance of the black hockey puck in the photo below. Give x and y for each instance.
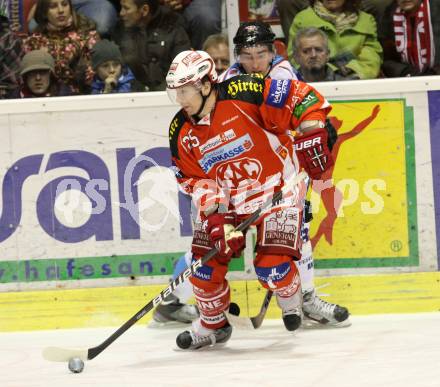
(234, 309)
(184, 340)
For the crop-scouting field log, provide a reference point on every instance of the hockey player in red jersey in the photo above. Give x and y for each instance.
(255, 53)
(232, 147)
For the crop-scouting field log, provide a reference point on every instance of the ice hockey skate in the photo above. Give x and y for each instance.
(199, 336)
(323, 312)
(173, 310)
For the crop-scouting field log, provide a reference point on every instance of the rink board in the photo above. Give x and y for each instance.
(99, 307)
(369, 220)
(89, 199)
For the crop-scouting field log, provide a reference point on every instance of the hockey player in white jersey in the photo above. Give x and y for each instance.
(255, 53)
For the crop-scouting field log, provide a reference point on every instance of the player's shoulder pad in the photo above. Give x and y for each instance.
(176, 125)
(278, 92)
(247, 88)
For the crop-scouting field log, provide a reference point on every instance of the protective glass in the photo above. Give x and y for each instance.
(183, 95)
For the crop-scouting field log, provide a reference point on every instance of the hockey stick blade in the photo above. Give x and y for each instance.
(61, 354)
(251, 322)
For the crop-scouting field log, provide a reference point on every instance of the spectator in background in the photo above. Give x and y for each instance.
(217, 46)
(352, 36)
(4, 9)
(375, 8)
(111, 75)
(203, 18)
(102, 12)
(68, 37)
(38, 77)
(11, 52)
(14, 10)
(287, 10)
(116, 5)
(410, 35)
(149, 36)
(311, 52)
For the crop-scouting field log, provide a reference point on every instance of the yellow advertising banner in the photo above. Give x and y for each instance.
(365, 209)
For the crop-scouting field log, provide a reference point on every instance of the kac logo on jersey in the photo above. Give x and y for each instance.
(237, 171)
(278, 92)
(226, 152)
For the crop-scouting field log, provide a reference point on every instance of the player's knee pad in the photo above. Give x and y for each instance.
(212, 303)
(210, 275)
(275, 271)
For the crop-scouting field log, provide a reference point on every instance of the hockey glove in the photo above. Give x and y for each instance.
(313, 153)
(221, 229)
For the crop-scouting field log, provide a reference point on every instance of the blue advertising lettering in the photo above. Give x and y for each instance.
(96, 187)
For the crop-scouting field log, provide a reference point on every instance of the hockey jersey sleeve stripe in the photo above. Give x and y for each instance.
(174, 130)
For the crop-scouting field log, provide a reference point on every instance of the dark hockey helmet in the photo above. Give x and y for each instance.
(251, 34)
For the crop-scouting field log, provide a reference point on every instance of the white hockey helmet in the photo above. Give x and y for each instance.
(189, 68)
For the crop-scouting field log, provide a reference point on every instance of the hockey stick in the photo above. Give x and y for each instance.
(64, 354)
(251, 322)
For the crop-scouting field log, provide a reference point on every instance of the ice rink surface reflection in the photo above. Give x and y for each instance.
(379, 350)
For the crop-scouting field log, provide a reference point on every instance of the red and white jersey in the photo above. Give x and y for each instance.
(243, 150)
(280, 69)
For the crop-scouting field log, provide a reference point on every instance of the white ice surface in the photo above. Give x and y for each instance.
(387, 350)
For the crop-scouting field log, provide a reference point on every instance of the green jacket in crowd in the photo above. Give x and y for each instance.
(357, 48)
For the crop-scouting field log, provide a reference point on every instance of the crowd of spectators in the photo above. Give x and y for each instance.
(67, 47)
(98, 46)
(365, 39)
(352, 37)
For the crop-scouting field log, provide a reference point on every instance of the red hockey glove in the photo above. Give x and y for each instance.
(313, 153)
(221, 229)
